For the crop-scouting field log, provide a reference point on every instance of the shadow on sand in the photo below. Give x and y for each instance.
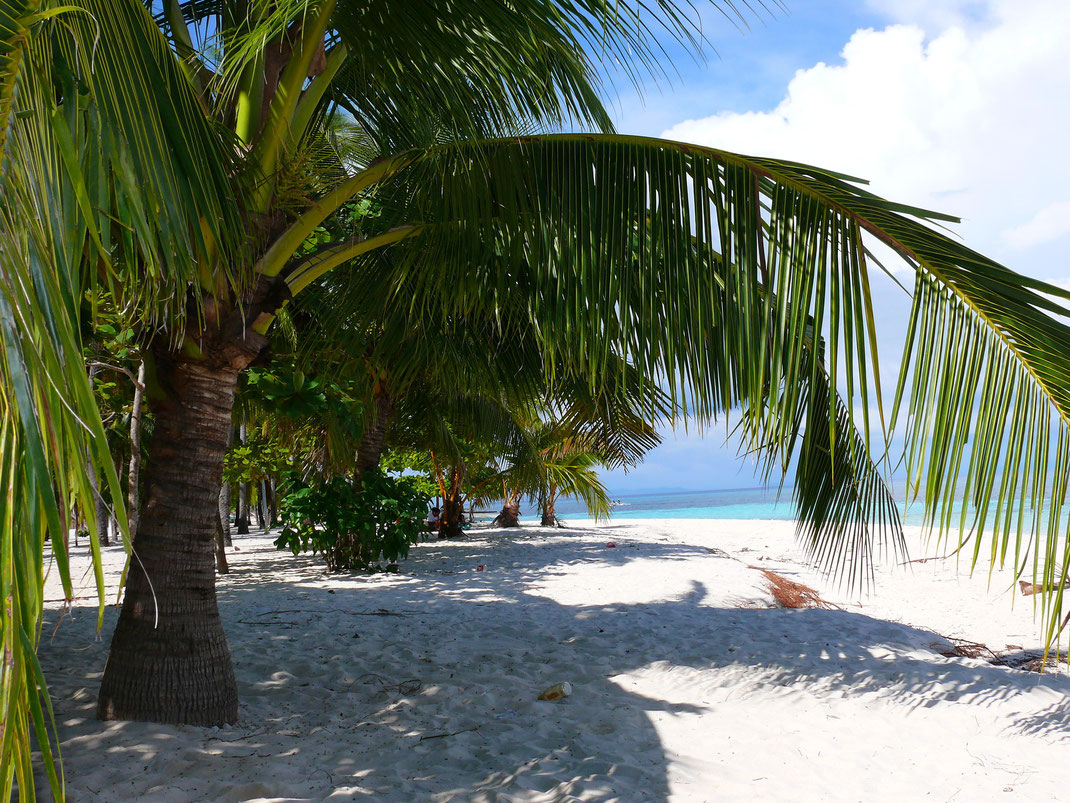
(422, 686)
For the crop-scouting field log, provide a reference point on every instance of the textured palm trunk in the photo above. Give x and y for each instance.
(452, 521)
(224, 500)
(100, 512)
(373, 439)
(224, 514)
(100, 509)
(549, 514)
(221, 564)
(241, 521)
(510, 515)
(169, 660)
(133, 494)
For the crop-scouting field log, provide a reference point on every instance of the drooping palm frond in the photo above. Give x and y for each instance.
(617, 420)
(157, 165)
(847, 515)
(43, 443)
(983, 400)
(712, 271)
(86, 197)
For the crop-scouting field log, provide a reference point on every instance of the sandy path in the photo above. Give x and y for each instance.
(688, 685)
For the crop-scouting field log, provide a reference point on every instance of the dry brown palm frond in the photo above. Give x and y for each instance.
(789, 594)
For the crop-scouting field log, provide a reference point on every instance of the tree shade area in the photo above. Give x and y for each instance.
(269, 257)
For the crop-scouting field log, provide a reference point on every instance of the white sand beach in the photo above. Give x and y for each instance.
(689, 684)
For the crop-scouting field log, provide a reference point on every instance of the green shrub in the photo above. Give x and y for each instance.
(353, 529)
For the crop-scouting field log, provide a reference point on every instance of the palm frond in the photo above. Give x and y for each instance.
(983, 400)
(711, 271)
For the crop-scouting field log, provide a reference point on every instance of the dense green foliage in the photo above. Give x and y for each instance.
(352, 527)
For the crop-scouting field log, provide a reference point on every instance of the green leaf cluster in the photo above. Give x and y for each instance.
(353, 526)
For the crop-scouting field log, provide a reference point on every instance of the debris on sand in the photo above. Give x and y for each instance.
(789, 594)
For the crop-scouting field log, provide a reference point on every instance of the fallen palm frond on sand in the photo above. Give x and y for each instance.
(1027, 661)
(789, 594)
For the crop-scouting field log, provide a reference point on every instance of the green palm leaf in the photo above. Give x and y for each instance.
(712, 271)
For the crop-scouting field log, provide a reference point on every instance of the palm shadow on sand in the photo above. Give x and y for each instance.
(423, 686)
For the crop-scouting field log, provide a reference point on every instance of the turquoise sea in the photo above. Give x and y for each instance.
(742, 503)
(739, 503)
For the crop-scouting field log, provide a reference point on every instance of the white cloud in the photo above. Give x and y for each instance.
(963, 111)
(1050, 223)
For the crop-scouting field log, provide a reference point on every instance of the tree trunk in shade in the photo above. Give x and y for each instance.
(241, 521)
(224, 513)
(224, 500)
(100, 508)
(100, 512)
(549, 514)
(373, 439)
(169, 660)
(452, 519)
(510, 515)
(273, 502)
(221, 565)
(133, 494)
(261, 518)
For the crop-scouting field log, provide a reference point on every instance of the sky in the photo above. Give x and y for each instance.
(953, 105)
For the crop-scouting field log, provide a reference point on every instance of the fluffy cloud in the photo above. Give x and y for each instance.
(963, 110)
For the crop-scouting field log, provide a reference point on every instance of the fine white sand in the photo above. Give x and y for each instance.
(688, 683)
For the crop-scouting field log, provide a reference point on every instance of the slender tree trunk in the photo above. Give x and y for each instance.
(265, 504)
(273, 502)
(373, 439)
(169, 660)
(242, 519)
(224, 513)
(221, 565)
(224, 499)
(72, 524)
(258, 508)
(133, 496)
(232, 518)
(103, 517)
(100, 508)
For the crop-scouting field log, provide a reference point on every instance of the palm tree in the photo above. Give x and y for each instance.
(737, 282)
(556, 462)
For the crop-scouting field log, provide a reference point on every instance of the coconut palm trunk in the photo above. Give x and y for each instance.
(510, 513)
(221, 565)
(224, 500)
(169, 660)
(451, 523)
(549, 514)
(133, 494)
(373, 439)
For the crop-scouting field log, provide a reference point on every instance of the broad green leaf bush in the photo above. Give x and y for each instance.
(353, 529)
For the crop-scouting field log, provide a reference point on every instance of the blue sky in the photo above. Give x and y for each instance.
(956, 105)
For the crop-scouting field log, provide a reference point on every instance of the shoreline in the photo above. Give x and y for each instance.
(689, 684)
